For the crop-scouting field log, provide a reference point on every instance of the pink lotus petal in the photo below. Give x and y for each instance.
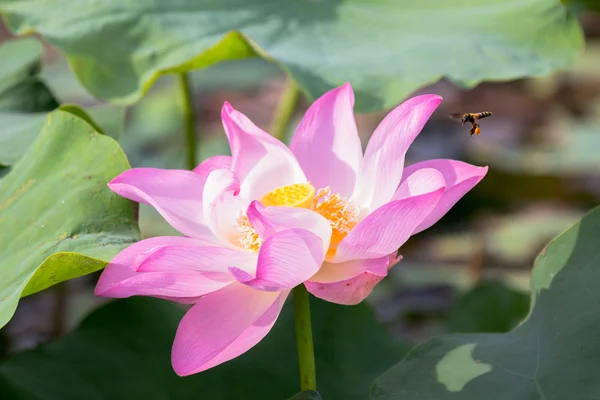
(167, 285)
(123, 278)
(210, 164)
(124, 264)
(223, 205)
(223, 325)
(351, 282)
(459, 176)
(175, 194)
(261, 162)
(335, 272)
(326, 142)
(387, 228)
(384, 155)
(260, 222)
(425, 180)
(252, 335)
(269, 220)
(285, 260)
(211, 261)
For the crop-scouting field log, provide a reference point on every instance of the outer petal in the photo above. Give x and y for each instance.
(252, 335)
(459, 176)
(211, 261)
(261, 162)
(210, 164)
(175, 194)
(421, 181)
(351, 282)
(157, 267)
(387, 228)
(384, 156)
(326, 142)
(286, 259)
(269, 220)
(223, 325)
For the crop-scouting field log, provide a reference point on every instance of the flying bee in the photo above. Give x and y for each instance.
(471, 118)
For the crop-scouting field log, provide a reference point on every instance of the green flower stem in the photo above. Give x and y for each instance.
(306, 354)
(189, 119)
(285, 109)
(306, 357)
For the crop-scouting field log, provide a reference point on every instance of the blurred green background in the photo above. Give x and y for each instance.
(470, 272)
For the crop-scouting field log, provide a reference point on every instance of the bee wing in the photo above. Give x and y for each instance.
(456, 117)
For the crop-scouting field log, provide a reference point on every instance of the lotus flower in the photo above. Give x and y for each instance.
(268, 217)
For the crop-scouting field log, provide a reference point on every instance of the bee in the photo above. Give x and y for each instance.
(471, 118)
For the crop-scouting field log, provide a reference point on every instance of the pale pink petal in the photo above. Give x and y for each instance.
(124, 264)
(384, 156)
(326, 142)
(210, 164)
(285, 260)
(223, 325)
(223, 205)
(336, 272)
(459, 176)
(387, 228)
(167, 285)
(252, 335)
(175, 194)
(419, 182)
(269, 220)
(351, 282)
(208, 260)
(261, 162)
(131, 272)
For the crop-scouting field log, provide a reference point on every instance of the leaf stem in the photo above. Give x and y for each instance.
(189, 119)
(285, 108)
(304, 340)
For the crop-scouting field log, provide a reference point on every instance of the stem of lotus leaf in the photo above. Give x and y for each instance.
(285, 109)
(188, 118)
(304, 339)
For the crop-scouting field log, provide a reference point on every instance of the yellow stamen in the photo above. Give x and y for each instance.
(340, 214)
(298, 195)
(249, 239)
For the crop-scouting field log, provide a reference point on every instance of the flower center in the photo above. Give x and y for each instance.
(249, 238)
(299, 195)
(341, 214)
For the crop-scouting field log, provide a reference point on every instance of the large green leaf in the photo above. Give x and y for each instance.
(122, 351)
(386, 48)
(488, 307)
(553, 355)
(20, 59)
(25, 101)
(20, 88)
(58, 219)
(18, 130)
(107, 119)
